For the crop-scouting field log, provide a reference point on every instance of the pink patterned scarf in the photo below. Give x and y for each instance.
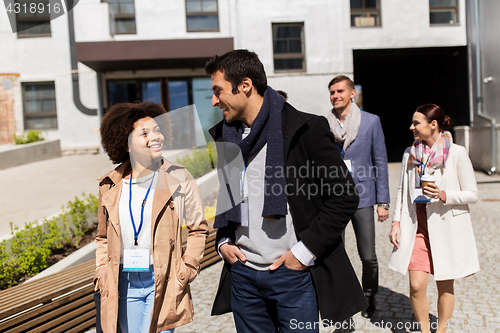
(432, 157)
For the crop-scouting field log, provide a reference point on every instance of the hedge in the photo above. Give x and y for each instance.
(27, 252)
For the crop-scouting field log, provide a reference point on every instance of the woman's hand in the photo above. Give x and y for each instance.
(394, 235)
(433, 191)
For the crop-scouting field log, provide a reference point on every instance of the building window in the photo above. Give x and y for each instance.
(202, 15)
(443, 11)
(36, 24)
(365, 13)
(288, 46)
(123, 12)
(39, 101)
(174, 93)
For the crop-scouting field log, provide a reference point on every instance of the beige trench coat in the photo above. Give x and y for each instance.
(176, 194)
(453, 247)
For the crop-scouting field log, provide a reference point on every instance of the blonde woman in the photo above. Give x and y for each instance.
(434, 237)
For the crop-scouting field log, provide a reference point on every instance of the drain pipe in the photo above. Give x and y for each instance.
(479, 94)
(74, 62)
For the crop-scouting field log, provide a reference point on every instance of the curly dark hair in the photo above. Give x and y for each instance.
(118, 123)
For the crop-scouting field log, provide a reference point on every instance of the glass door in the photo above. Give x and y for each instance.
(151, 91)
(202, 98)
(121, 91)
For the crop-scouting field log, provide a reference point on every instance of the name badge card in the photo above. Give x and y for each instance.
(348, 164)
(419, 197)
(135, 260)
(245, 210)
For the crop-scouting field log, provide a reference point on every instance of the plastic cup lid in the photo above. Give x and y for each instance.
(428, 178)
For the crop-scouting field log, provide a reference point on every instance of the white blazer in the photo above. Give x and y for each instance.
(453, 247)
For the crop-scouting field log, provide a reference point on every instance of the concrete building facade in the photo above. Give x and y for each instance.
(115, 50)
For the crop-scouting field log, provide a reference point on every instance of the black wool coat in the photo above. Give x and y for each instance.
(322, 200)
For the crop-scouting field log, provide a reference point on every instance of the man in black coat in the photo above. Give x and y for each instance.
(282, 210)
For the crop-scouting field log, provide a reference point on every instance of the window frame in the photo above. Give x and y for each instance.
(118, 16)
(367, 11)
(27, 115)
(202, 13)
(445, 9)
(290, 55)
(32, 19)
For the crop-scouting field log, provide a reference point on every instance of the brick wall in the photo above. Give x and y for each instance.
(9, 84)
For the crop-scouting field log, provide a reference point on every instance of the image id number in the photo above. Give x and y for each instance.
(36, 7)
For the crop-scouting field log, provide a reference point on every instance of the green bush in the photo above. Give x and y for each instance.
(201, 161)
(75, 217)
(28, 137)
(27, 252)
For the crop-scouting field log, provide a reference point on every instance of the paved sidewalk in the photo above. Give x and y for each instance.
(477, 305)
(37, 190)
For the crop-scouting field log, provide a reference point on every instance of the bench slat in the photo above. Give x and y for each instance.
(26, 303)
(78, 307)
(62, 321)
(85, 326)
(210, 261)
(75, 321)
(46, 312)
(15, 295)
(209, 255)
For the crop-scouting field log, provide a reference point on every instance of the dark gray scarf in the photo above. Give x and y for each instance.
(266, 128)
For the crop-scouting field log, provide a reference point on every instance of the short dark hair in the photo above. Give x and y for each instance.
(282, 93)
(118, 123)
(434, 112)
(237, 65)
(340, 78)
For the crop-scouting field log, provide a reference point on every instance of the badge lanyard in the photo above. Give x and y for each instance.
(243, 175)
(244, 208)
(341, 143)
(136, 232)
(423, 166)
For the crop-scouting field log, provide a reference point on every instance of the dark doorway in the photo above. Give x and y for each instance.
(396, 81)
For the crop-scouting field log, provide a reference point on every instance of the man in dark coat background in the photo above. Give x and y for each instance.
(282, 211)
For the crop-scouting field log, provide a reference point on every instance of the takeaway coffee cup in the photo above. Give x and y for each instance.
(426, 180)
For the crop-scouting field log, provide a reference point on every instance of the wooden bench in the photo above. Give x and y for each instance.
(64, 301)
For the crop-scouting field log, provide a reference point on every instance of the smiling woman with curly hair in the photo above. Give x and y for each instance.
(142, 275)
(118, 123)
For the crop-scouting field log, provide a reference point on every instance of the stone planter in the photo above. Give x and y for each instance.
(11, 156)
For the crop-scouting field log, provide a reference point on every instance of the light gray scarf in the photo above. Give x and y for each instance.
(347, 134)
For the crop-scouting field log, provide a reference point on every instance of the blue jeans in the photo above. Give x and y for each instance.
(135, 304)
(273, 301)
